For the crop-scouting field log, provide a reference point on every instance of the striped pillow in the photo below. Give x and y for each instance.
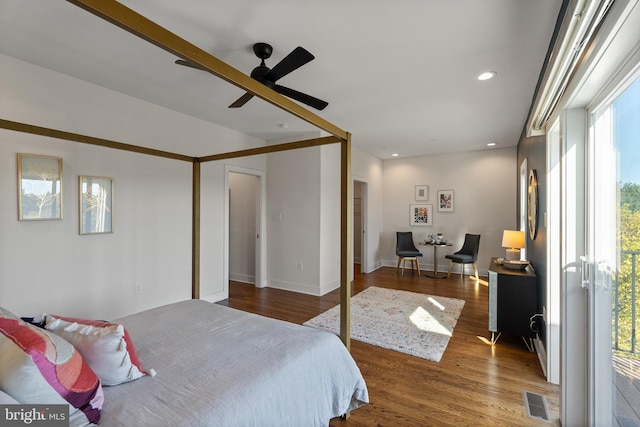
(39, 367)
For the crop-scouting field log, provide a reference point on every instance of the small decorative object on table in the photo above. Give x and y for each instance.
(515, 264)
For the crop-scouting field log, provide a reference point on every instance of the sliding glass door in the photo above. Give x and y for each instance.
(611, 272)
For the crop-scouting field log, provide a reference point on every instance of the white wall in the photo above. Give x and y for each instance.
(46, 266)
(484, 184)
(330, 235)
(304, 216)
(293, 220)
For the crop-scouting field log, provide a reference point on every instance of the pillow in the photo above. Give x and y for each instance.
(7, 314)
(38, 367)
(107, 347)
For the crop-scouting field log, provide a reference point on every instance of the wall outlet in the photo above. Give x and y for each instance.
(300, 266)
(137, 288)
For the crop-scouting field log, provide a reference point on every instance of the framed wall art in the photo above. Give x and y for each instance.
(445, 200)
(39, 187)
(421, 215)
(96, 205)
(532, 205)
(422, 193)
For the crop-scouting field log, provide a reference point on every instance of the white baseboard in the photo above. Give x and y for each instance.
(244, 278)
(542, 354)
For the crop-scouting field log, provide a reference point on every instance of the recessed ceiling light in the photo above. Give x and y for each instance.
(491, 144)
(488, 75)
(395, 155)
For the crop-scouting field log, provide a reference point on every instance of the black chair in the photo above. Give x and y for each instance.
(467, 255)
(406, 250)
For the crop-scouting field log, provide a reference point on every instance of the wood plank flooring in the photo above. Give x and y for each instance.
(475, 384)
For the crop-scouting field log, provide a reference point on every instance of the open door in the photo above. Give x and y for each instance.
(245, 221)
(360, 226)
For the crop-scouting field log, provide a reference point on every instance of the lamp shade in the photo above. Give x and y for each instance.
(513, 239)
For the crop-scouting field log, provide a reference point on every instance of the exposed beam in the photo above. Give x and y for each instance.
(85, 139)
(272, 148)
(133, 22)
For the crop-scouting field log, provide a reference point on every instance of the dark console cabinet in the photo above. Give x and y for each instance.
(513, 299)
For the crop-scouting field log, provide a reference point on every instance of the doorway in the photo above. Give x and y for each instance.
(613, 249)
(360, 262)
(243, 227)
(245, 224)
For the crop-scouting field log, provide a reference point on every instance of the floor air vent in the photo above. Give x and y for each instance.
(536, 406)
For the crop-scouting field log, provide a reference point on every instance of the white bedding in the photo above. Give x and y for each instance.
(217, 366)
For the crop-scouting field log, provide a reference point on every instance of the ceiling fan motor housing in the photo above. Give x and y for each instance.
(262, 50)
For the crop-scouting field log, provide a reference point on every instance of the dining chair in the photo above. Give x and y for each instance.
(406, 250)
(468, 254)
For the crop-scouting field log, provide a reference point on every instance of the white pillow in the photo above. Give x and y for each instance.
(7, 314)
(106, 347)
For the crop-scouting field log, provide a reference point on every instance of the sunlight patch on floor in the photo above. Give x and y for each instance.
(425, 321)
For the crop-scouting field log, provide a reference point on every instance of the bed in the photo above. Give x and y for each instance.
(217, 366)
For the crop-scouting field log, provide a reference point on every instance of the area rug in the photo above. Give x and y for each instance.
(408, 322)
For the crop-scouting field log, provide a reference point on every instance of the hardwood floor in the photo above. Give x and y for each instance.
(475, 384)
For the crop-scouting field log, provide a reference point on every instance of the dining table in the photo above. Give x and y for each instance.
(436, 246)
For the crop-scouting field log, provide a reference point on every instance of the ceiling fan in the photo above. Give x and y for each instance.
(268, 76)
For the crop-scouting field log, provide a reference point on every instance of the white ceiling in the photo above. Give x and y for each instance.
(400, 76)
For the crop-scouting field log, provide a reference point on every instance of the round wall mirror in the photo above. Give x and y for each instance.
(532, 205)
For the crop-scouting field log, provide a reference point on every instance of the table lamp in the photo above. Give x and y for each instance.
(512, 240)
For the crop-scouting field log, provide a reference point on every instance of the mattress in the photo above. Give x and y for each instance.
(218, 366)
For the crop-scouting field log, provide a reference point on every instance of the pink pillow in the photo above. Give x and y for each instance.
(106, 347)
(38, 367)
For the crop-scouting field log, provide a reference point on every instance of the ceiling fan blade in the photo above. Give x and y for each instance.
(189, 64)
(296, 59)
(302, 97)
(242, 100)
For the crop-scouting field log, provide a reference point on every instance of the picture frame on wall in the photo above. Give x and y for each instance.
(421, 215)
(95, 204)
(422, 193)
(445, 200)
(39, 187)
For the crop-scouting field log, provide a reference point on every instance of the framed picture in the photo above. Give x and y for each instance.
(96, 205)
(445, 200)
(421, 215)
(532, 205)
(39, 187)
(422, 193)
